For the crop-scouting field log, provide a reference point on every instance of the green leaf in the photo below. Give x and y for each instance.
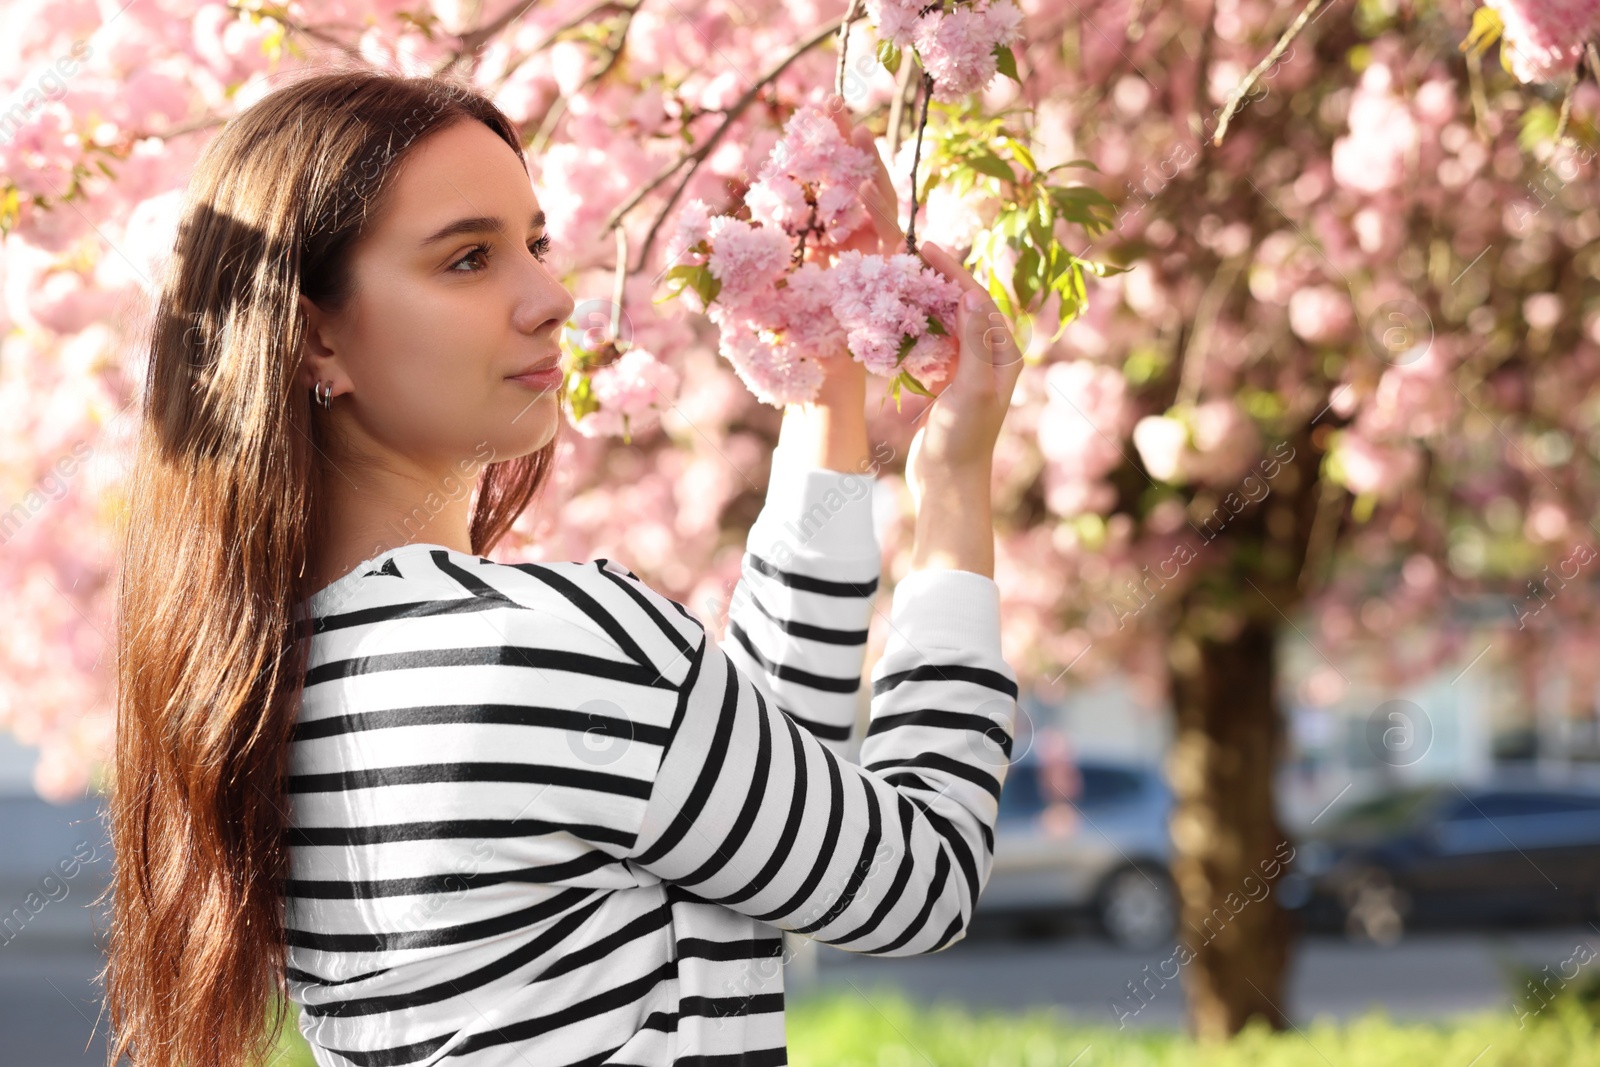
(1020, 153)
(1102, 270)
(1074, 163)
(1058, 262)
(580, 396)
(889, 56)
(1041, 224)
(907, 342)
(699, 278)
(1002, 299)
(1006, 62)
(1024, 277)
(1013, 222)
(1068, 286)
(915, 386)
(1486, 29)
(1085, 206)
(986, 162)
(1538, 125)
(962, 179)
(937, 327)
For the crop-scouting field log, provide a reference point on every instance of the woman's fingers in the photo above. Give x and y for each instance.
(877, 194)
(946, 264)
(992, 356)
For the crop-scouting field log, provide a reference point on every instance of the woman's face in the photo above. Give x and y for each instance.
(451, 299)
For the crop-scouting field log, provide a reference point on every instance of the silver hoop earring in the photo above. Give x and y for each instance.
(325, 398)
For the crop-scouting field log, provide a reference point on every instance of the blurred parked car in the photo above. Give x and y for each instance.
(1513, 849)
(55, 859)
(1084, 837)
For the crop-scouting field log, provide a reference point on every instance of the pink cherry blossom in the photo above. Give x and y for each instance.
(957, 46)
(1321, 314)
(745, 258)
(883, 300)
(1372, 158)
(632, 392)
(1545, 38)
(810, 180)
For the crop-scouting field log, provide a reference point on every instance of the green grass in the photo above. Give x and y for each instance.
(890, 1031)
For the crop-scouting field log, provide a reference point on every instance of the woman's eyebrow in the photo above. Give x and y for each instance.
(478, 224)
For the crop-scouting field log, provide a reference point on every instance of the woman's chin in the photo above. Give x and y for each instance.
(532, 426)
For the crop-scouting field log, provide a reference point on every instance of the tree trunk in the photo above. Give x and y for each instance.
(1228, 848)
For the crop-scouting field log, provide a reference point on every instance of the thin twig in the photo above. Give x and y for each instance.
(1319, 542)
(916, 159)
(897, 106)
(844, 44)
(571, 24)
(1254, 76)
(558, 108)
(618, 283)
(547, 126)
(1566, 102)
(695, 158)
(1480, 100)
(1194, 354)
(317, 33)
(471, 41)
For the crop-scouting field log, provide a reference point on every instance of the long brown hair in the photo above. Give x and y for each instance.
(225, 507)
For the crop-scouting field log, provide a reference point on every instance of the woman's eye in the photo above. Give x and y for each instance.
(475, 250)
(540, 248)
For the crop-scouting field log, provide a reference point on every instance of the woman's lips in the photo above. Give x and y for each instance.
(548, 378)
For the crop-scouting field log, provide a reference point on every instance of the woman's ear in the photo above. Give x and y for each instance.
(318, 362)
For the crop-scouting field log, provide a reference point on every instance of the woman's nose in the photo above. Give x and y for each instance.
(546, 301)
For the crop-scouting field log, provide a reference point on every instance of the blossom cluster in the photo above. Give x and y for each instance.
(958, 47)
(781, 315)
(808, 185)
(630, 394)
(1544, 38)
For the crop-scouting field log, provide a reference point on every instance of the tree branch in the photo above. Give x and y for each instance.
(571, 24)
(916, 160)
(695, 158)
(558, 108)
(1254, 76)
(897, 106)
(618, 284)
(850, 16)
(470, 42)
(1566, 102)
(1205, 317)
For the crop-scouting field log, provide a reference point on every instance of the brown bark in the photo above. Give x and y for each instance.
(1229, 849)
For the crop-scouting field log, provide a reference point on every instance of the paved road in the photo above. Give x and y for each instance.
(1429, 975)
(49, 1004)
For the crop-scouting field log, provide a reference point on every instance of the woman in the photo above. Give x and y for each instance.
(501, 813)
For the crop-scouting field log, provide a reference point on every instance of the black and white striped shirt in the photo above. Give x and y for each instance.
(538, 817)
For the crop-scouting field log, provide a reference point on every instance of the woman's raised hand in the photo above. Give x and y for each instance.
(951, 459)
(831, 432)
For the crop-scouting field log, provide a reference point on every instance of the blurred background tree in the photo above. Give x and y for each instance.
(1348, 380)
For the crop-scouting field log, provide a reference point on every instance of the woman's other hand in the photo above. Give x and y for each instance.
(951, 459)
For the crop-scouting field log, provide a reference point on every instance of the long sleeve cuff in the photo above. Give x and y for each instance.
(945, 609)
(814, 513)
